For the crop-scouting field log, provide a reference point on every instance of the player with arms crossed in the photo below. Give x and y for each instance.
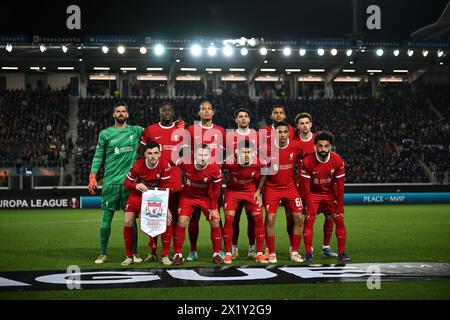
(305, 137)
(152, 171)
(201, 190)
(119, 144)
(241, 187)
(322, 182)
(279, 185)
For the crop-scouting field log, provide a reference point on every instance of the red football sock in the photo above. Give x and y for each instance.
(128, 236)
(270, 240)
(236, 222)
(216, 238)
(250, 229)
(328, 226)
(308, 231)
(166, 237)
(194, 229)
(341, 233)
(178, 239)
(289, 228)
(259, 232)
(296, 239)
(228, 232)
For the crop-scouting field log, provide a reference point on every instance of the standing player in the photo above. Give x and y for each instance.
(278, 115)
(202, 191)
(305, 137)
(119, 143)
(322, 181)
(166, 133)
(213, 135)
(279, 185)
(242, 133)
(152, 171)
(241, 187)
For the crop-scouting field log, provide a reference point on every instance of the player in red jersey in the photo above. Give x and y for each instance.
(149, 172)
(305, 137)
(322, 181)
(213, 135)
(241, 187)
(201, 190)
(243, 132)
(167, 133)
(278, 115)
(279, 185)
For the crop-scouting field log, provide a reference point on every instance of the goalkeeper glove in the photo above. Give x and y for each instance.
(92, 183)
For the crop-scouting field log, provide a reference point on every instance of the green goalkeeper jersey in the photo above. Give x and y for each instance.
(119, 146)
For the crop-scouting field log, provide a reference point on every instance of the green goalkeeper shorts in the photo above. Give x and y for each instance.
(114, 197)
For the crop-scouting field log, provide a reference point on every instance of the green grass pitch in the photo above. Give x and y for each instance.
(55, 239)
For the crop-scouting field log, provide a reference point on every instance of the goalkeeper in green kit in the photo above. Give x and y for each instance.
(119, 145)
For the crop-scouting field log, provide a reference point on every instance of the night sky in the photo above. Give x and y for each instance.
(274, 20)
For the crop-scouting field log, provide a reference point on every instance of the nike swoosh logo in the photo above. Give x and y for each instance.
(315, 172)
(156, 138)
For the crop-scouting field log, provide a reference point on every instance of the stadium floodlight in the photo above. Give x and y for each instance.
(302, 52)
(43, 48)
(143, 50)
(121, 49)
(349, 52)
(320, 52)
(396, 52)
(287, 51)
(227, 51)
(244, 51)
(64, 48)
(9, 47)
(105, 49)
(251, 42)
(159, 49)
(212, 51)
(440, 53)
(410, 52)
(333, 51)
(379, 52)
(263, 51)
(424, 52)
(196, 50)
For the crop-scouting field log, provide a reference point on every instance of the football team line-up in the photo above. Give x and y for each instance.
(292, 166)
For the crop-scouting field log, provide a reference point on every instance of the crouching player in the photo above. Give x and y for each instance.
(322, 181)
(146, 173)
(241, 187)
(202, 191)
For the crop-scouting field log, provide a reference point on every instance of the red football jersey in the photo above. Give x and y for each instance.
(168, 138)
(234, 137)
(213, 136)
(141, 172)
(307, 145)
(198, 181)
(282, 165)
(265, 145)
(244, 178)
(323, 174)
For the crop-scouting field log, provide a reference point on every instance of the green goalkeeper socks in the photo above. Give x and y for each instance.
(105, 230)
